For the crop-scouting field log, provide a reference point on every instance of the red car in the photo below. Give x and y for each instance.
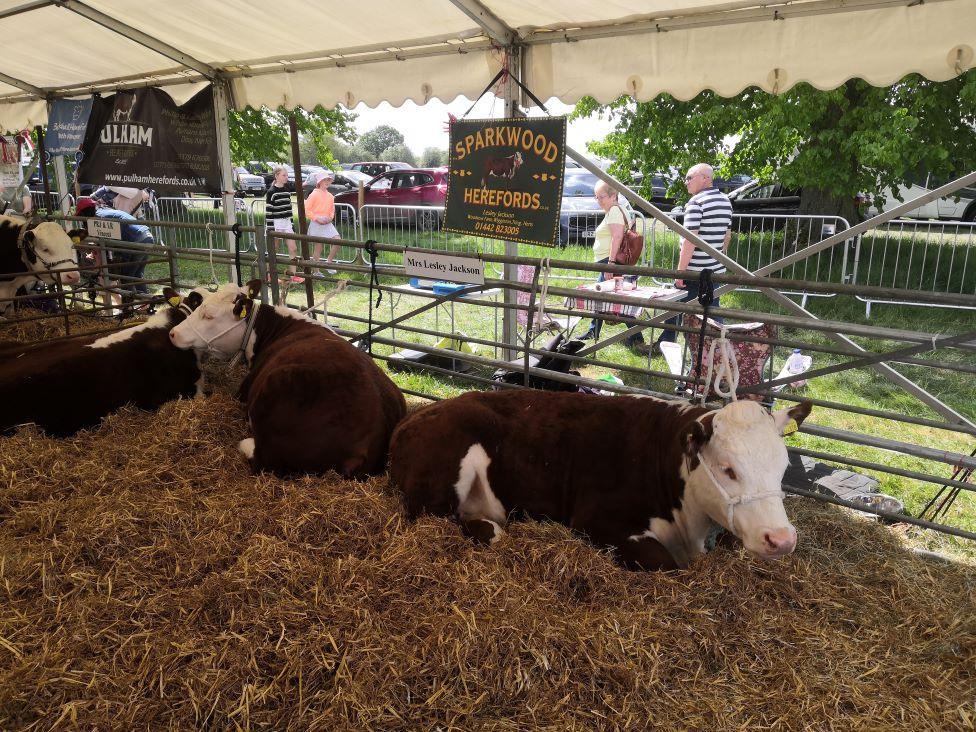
(401, 194)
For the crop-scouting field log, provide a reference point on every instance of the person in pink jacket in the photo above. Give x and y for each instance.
(320, 210)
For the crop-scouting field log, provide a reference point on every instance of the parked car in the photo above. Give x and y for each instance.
(345, 181)
(425, 187)
(733, 182)
(580, 213)
(376, 168)
(960, 206)
(659, 184)
(265, 170)
(248, 183)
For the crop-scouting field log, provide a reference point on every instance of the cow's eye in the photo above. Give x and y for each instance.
(731, 473)
(208, 317)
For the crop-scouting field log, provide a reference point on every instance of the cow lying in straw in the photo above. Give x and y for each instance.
(643, 476)
(68, 385)
(314, 402)
(33, 251)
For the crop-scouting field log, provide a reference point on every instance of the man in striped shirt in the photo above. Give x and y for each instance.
(709, 214)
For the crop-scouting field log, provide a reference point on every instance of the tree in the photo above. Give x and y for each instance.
(433, 157)
(834, 144)
(398, 154)
(263, 134)
(379, 139)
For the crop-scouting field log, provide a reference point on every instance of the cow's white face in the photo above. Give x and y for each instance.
(218, 325)
(47, 249)
(737, 461)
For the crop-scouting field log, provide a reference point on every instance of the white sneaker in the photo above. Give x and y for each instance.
(332, 271)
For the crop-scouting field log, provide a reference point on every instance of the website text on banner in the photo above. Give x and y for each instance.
(506, 179)
(143, 139)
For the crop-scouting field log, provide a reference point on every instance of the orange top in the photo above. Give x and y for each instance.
(320, 203)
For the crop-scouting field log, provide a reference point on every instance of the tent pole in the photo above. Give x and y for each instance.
(220, 92)
(509, 318)
(296, 161)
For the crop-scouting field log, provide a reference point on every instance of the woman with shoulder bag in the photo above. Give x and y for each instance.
(607, 242)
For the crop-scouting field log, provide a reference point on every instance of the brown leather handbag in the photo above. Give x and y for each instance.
(632, 245)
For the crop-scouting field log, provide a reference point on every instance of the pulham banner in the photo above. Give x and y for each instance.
(143, 139)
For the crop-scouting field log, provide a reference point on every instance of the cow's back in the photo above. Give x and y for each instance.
(66, 386)
(315, 403)
(564, 456)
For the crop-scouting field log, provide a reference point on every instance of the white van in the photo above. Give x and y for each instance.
(960, 206)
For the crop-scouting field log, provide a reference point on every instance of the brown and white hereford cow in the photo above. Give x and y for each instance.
(314, 401)
(33, 251)
(505, 167)
(643, 476)
(65, 386)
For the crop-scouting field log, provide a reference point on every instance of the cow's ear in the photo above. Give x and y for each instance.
(172, 296)
(29, 240)
(253, 288)
(696, 435)
(193, 300)
(789, 420)
(77, 236)
(243, 306)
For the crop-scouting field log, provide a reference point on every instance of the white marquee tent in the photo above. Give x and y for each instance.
(303, 52)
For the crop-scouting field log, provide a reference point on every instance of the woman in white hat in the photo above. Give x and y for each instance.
(320, 209)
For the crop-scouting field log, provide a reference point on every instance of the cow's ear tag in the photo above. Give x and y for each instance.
(174, 301)
(244, 315)
(790, 427)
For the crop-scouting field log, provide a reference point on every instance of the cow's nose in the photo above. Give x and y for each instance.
(779, 541)
(70, 278)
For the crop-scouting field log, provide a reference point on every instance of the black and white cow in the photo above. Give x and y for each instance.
(33, 251)
(643, 476)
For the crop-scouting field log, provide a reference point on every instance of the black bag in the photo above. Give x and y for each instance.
(550, 361)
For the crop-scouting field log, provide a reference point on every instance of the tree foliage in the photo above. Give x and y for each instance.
(263, 134)
(433, 157)
(832, 144)
(398, 154)
(379, 139)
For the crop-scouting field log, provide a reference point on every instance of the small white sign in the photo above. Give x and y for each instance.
(106, 229)
(431, 265)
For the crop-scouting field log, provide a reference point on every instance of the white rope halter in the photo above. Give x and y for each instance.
(730, 502)
(540, 320)
(728, 369)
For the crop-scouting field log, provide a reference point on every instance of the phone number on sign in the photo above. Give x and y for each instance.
(492, 228)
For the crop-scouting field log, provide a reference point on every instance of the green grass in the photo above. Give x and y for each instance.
(861, 387)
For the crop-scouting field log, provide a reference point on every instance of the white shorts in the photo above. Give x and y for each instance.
(324, 230)
(284, 225)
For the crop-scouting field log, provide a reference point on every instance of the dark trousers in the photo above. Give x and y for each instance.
(596, 324)
(133, 264)
(691, 293)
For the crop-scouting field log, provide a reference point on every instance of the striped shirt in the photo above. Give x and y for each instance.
(277, 204)
(708, 214)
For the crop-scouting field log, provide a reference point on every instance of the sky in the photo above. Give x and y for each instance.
(423, 127)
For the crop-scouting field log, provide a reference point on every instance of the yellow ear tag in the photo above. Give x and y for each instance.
(76, 239)
(244, 315)
(174, 301)
(790, 427)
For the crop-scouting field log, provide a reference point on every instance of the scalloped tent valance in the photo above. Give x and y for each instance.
(307, 53)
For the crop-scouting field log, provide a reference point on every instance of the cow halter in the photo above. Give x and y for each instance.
(247, 322)
(730, 502)
(31, 251)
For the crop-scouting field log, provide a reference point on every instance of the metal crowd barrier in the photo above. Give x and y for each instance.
(760, 239)
(936, 256)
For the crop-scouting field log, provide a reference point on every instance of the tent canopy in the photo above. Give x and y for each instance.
(300, 52)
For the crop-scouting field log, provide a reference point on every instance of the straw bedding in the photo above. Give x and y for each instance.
(148, 580)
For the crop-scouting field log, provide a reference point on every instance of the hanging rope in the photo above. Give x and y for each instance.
(374, 281)
(236, 228)
(214, 282)
(340, 286)
(540, 320)
(727, 371)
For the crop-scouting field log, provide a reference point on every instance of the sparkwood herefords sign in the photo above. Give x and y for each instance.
(142, 139)
(506, 179)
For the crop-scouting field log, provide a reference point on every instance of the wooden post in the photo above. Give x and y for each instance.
(296, 161)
